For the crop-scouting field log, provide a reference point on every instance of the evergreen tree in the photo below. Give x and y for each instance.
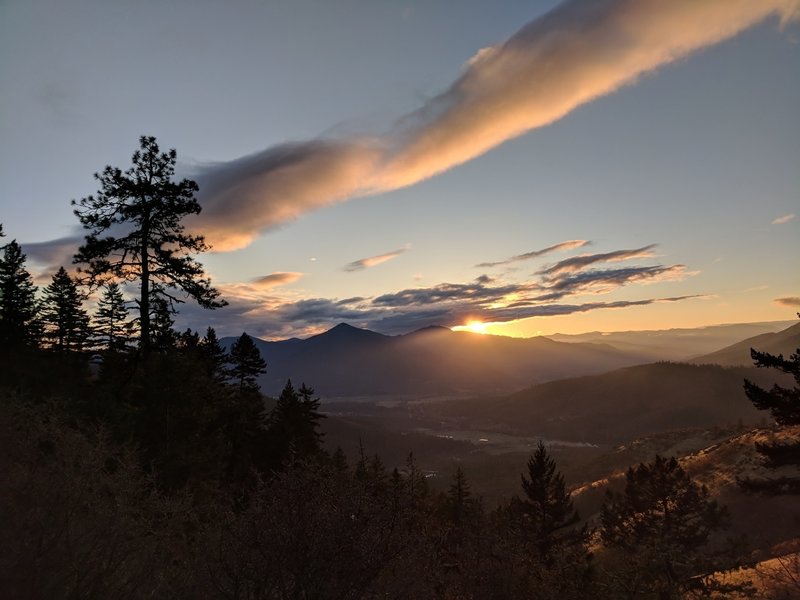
(460, 504)
(662, 524)
(294, 423)
(147, 207)
(18, 308)
(546, 509)
(162, 335)
(65, 319)
(246, 363)
(111, 319)
(215, 357)
(783, 403)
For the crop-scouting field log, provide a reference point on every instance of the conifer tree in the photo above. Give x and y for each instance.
(111, 319)
(246, 363)
(662, 523)
(162, 335)
(294, 422)
(460, 503)
(136, 234)
(65, 320)
(782, 402)
(19, 323)
(546, 509)
(215, 356)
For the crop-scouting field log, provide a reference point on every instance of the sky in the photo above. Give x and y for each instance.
(520, 168)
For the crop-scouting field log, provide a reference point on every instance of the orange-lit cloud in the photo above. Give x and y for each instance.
(572, 55)
(372, 261)
(276, 279)
(783, 219)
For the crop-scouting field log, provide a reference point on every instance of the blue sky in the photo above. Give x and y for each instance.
(698, 155)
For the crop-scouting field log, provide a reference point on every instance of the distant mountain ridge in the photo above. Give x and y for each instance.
(349, 361)
(784, 342)
(680, 344)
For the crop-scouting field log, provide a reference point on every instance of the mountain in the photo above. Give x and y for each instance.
(784, 342)
(616, 406)
(677, 344)
(348, 361)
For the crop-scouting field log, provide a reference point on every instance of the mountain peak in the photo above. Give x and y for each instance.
(345, 331)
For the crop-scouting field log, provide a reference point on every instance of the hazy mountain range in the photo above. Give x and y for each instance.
(348, 361)
(435, 361)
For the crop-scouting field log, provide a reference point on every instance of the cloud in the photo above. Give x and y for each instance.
(568, 245)
(578, 263)
(262, 311)
(372, 261)
(793, 301)
(577, 52)
(606, 280)
(783, 219)
(276, 279)
(53, 253)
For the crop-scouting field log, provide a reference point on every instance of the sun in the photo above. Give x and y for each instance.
(475, 327)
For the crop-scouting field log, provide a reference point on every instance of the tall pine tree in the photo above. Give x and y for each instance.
(246, 363)
(66, 322)
(19, 324)
(136, 234)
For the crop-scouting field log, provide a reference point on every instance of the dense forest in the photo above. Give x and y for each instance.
(143, 462)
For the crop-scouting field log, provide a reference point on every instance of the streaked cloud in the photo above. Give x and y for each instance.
(276, 279)
(783, 219)
(793, 301)
(262, 311)
(607, 280)
(578, 263)
(372, 261)
(53, 253)
(568, 245)
(577, 52)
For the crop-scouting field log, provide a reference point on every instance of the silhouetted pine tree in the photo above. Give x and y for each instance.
(215, 357)
(162, 335)
(18, 308)
(246, 363)
(154, 250)
(111, 323)
(783, 403)
(546, 509)
(293, 425)
(65, 320)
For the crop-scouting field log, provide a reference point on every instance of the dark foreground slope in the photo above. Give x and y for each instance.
(616, 406)
(347, 361)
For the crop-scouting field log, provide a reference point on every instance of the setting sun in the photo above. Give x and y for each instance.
(473, 327)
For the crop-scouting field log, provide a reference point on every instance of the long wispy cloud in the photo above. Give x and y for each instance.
(373, 261)
(784, 219)
(572, 55)
(578, 263)
(568, 245)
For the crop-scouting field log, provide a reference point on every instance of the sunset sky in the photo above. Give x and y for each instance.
(541, 166)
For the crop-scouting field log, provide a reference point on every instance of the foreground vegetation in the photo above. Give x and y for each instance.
(140, 462)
